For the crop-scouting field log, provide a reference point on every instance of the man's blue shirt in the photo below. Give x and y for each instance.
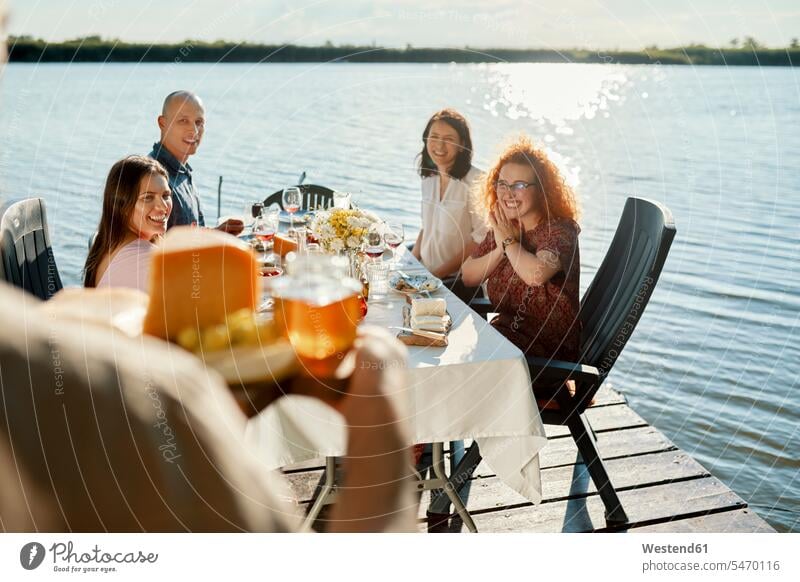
(185, 201)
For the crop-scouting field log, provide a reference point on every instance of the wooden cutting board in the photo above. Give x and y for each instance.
(411, 339)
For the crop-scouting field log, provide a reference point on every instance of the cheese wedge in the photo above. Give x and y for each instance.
(431, 323)
(425, 306)
(283, 245)
(197, 277)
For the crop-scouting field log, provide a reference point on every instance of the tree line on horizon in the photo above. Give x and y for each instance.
(26, 49)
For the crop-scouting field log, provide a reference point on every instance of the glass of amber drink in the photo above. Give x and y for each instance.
(317, 303)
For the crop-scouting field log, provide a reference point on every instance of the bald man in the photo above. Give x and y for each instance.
(182, 124)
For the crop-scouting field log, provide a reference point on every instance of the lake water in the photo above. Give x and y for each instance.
(715, 361)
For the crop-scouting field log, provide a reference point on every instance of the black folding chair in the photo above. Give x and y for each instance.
(610, 310)
(314, 197)
(28, 260)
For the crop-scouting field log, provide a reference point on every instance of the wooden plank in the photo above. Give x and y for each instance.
(574, 481)
(557, 453)
(612, 445)
(304, 484)
(737, 521)
(645, 506)
(604, 418)
(608, 395)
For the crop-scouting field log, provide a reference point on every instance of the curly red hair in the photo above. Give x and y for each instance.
(556, 199)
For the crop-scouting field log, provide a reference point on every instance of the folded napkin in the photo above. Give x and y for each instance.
(439, 323)
(420, 307)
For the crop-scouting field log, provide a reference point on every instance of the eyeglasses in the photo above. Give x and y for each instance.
(517, 187)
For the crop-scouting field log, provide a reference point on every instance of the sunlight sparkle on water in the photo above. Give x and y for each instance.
(558, 93)
(557, 97)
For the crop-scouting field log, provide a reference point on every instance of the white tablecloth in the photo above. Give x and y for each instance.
(477, 387)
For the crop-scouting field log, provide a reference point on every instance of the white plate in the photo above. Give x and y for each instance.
(419, 284)
(250, 364)
(300, 217)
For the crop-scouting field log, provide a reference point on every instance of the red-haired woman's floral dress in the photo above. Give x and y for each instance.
(540, 320)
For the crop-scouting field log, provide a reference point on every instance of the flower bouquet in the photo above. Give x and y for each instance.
(342, 230)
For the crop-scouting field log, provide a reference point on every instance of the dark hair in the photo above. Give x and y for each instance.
(119, 199)
(463, 160)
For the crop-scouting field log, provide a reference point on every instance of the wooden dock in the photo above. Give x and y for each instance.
(661, 487)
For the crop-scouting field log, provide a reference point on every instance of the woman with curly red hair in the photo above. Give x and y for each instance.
(530, 259)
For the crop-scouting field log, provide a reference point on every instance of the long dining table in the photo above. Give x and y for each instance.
(477, 387)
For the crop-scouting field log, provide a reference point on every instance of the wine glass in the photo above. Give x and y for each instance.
(265, 226)
(292, 200)
(394, 235)
(374, 248)
(251, 212)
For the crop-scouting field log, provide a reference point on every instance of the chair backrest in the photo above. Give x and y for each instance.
(619, 292)
(314, 197)
(27, 257)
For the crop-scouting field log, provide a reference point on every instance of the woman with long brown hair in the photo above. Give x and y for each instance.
(452, 225)
(137, 203)
(530, 258)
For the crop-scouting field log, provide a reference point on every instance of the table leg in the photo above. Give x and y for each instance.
(460, 475)
(449, 488)
(324, 493)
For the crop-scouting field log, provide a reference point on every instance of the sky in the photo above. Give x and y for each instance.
(624, 24)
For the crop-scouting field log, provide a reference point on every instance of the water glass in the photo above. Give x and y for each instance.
(378, 278)
(298, 235)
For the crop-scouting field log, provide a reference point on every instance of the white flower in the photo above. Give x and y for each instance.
(351, 225)
(369, 216)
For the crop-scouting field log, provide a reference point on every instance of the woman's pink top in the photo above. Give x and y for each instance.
(130, 267)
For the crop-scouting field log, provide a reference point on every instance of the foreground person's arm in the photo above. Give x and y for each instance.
(375, 494)
(120, 434)
(377, 491)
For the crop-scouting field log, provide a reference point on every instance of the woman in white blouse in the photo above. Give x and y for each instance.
(452, 228)
(452, 224)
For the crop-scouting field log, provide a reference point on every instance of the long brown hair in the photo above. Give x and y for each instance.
(119, 199)
(555, 198)
(463, 161)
